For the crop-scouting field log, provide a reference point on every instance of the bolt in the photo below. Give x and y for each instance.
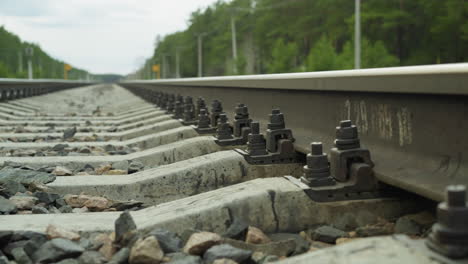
(223, 118)
(216, 106)
(242, 112)
(216, 109)
(345, 123)
(317, 170)
(203, 119)
(347, 136)
(255, 126)
(224, 130)
(188, 100)
(256, 144)
(317, 148)
(456, 196)
(276, 120)
(449, 235)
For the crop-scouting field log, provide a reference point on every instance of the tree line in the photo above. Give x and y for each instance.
(14, 58)
(277, 36)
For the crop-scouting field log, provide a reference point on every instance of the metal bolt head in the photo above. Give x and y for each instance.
(276, 120)
(346, 130)
(345, 123)
(223, 118)
(216, 106)
(456, 195)
(242, 110)
(317, 148)
(255, 127)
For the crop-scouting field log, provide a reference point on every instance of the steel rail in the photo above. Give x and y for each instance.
(412, 119)
(19, 88)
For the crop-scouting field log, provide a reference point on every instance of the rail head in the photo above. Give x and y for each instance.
(431, 79)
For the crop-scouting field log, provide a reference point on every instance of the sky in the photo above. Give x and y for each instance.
(101, 36)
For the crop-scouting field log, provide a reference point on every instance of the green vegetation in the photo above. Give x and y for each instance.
(304, 35)
(13, 60)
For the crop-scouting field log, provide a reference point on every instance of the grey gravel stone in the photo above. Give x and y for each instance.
(237, 230)
(6, 206)
(270, 259)
(124, 224)
(10, 188)
(278, 248)
(126, 205)
(406, 226)
(32, 245)
(121, 257)
(302, 245)
(69, 133)
(57, 249)
(183, 258)
(4, 260)
(85, 243)
(59, 147)
(109, 148)
(25, 176)
(91, 257)
(415, 224)
(66, 209)
(168, 241)
(60, 202)
(327, 234)
(5, 237)
(20, 256)
(47, 198)
(8, 249)
(68, 261)
(226, 251)
(54, 210)
(135, 166)
(85, 150)
(29, 235)
(39, 210)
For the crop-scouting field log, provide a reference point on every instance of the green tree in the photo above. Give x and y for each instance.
(283, 57)
(322, 56)
(395, 32)
(373, 55)
(4, 71)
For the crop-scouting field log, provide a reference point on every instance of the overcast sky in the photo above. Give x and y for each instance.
(101, 36)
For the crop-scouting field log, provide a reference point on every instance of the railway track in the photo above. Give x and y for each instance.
(223, 170)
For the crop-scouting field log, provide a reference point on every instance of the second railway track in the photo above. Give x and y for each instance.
(215, 170)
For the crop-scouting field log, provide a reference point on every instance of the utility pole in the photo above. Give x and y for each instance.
(150, 71)
(29, 53)
(357, 35)
(200, 55)
(20, 62)
(165, 66)
(234, 44)
(177, 57)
